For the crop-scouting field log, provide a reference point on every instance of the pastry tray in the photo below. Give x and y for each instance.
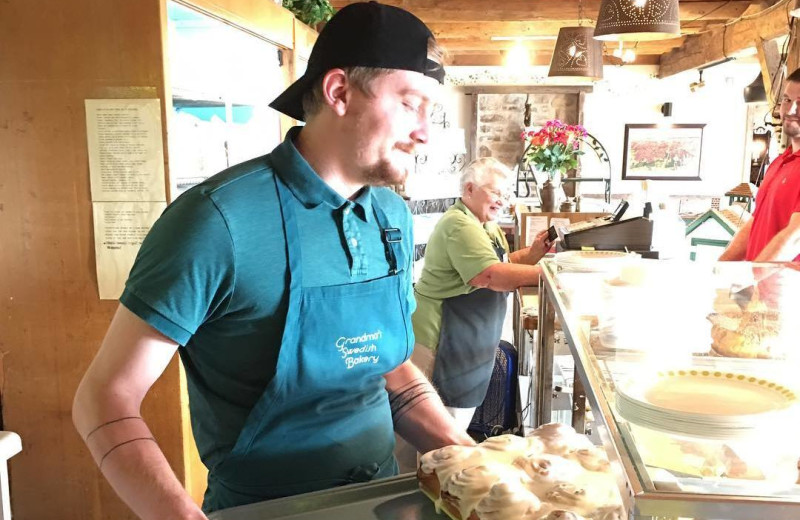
(396, 498)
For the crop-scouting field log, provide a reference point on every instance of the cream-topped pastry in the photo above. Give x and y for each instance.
(470, 485)
(549, 468)
(554, 474)
(560, 439)
(560, 514)
(571, 495)
(583, 495)
(505, 443)
(506, 448)
(509, 499)
(608, 513)
(448, 460)
(592, 459)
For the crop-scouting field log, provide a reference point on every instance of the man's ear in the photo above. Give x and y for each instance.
(335, 90)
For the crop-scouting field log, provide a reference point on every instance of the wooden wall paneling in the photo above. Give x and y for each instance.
(53, 321)
(263, 17)
(304, 38)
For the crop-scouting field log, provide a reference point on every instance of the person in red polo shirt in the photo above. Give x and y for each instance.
(773, 234)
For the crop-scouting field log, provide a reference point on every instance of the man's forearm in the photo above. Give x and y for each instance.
(142, 477)
(418, 413)
(134, 465)
(783, 247)
(737, 248)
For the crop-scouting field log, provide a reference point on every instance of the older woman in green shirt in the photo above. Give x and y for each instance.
(462, 291)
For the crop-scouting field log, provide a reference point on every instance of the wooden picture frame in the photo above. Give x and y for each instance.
(663, 152)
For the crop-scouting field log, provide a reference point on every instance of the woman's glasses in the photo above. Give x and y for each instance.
(505, 196)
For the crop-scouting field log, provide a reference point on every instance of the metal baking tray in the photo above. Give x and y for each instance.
(396, 498)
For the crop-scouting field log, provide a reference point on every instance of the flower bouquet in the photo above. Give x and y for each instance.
(554, 148)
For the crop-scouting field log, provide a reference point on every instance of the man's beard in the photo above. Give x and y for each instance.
(791, 128)
(384, 173)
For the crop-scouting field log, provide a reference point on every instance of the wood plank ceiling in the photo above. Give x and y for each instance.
(466, 27)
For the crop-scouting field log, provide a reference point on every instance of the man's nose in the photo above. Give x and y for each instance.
(421, 133)
(793, 108)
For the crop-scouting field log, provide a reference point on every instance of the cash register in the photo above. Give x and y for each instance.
(610, 233)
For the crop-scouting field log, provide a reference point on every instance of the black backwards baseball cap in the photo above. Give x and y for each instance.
(363, 35)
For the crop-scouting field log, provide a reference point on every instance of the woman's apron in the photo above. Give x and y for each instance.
(472, 325)
(324, 419)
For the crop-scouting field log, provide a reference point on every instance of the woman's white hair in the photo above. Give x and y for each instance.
(481, 170)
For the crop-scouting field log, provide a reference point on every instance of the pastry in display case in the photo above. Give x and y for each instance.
(555, 473)
(747, 334)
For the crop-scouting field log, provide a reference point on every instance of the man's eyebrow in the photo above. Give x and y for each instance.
(416, 93)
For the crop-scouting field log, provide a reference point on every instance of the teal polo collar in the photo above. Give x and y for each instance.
(307, 186)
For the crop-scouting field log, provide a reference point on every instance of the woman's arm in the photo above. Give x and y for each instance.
(521, 272)
(507, 277)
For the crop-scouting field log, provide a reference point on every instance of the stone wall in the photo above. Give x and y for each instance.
(499, 121)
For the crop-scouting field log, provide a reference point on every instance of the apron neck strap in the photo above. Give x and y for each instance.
(392, 238)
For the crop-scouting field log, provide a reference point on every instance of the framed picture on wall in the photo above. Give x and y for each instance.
(670, 153)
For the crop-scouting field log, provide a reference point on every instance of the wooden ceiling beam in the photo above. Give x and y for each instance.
(474, 30)
(431, 11)
(721, 42)
(769, 57)
(460, 45)
(538, 58)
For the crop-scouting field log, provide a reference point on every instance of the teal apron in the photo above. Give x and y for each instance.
(324, 419)
(472, 325)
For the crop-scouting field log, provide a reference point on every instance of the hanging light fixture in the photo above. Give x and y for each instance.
(576, 52)
(638, 20)
(755, 92)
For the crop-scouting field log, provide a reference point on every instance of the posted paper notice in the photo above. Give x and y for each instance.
(119, 229)
(126, 152)
(534, 226)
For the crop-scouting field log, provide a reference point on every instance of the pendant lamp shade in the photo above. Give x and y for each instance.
(577, 53)
(638, 20)
(755, 91)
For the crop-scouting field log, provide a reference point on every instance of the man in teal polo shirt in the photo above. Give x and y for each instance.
(284, 284)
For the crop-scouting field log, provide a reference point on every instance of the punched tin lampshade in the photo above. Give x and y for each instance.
(577, 53)
(755, 92)
(638, 20)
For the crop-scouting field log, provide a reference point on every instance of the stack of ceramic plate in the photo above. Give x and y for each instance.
(593, 261)
(707, 403)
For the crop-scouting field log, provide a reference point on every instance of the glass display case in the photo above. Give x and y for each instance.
(691, 373)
